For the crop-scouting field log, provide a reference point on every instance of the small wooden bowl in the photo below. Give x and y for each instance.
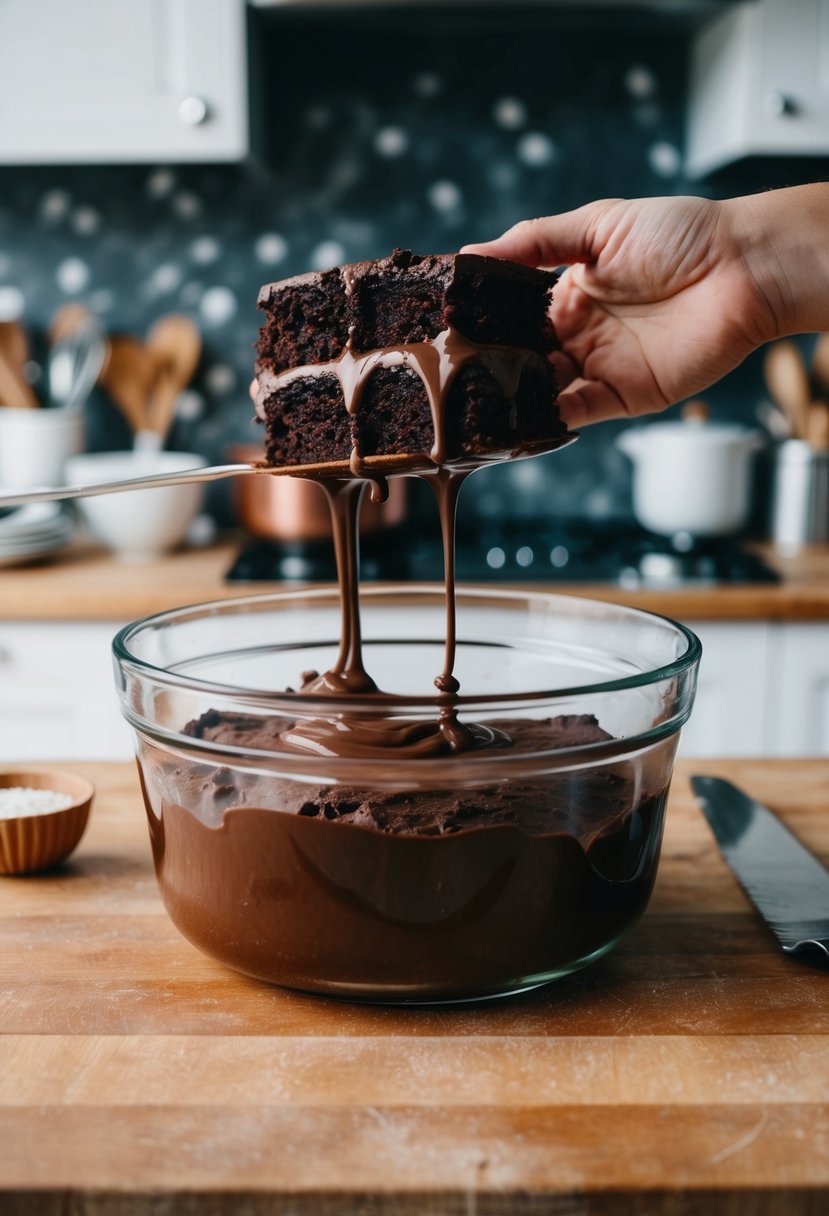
(35, 842)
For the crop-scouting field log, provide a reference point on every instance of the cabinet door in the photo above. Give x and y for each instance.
(799, 692)
(150, 80)
(57, 693)
(790, 111)
(729, 716)
(759, 84)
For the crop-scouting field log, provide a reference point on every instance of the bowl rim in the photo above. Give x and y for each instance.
(338, 700)
(494, 762)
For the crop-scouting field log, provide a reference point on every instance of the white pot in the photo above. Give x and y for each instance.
(692, 476)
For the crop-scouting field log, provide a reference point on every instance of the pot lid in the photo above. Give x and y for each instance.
(694, 431)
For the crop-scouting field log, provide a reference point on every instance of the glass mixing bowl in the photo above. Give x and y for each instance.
(387, 876)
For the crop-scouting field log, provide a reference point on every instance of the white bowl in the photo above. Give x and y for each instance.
(137, 525)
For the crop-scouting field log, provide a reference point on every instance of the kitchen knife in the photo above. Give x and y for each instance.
(785, 882)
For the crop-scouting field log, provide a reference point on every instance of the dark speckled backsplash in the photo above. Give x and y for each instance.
(377, 136)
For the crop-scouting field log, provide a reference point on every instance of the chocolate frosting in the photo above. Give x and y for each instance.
(436, 361)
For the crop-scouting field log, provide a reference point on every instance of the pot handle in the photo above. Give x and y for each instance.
(630, 442)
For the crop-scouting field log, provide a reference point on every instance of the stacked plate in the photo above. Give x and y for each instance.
(28, 533)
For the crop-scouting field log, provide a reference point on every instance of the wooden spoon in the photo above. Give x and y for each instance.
(14, 351)
(128, 378)
(788, 382)
(695, 411)
(820, 367)
(819, 426)
(67, 319)
(174, 343)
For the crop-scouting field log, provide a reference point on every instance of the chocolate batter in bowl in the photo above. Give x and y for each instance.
(401, 842)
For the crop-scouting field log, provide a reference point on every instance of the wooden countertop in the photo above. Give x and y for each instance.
(687, 1072)
(87, 585)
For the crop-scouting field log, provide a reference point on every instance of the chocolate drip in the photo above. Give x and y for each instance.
(369, 734)
(348, 674)
(447, 486)
(372, 735)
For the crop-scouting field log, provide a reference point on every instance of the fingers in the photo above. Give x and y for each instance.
(555, 240)
(584, 402)
(580, 401)
(565, 367)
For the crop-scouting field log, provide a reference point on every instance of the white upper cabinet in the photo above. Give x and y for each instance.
(760, 84)
(85, 81)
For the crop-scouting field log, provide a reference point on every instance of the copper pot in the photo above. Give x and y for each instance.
(295, 509)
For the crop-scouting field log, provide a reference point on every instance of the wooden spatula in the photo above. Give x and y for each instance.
(818, 435)
(820, 367)
(174, 345)
(788, 383)
(66, 320)
(14, 351)
(128, 378)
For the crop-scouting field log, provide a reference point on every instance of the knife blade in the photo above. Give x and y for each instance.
(785, 882)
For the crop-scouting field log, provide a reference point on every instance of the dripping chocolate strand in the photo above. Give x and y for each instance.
(348, 675)
(447, 486)
(371, 733)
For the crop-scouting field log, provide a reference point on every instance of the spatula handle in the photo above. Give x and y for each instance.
(53, 493)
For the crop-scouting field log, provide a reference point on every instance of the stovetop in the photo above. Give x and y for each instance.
(520, 551)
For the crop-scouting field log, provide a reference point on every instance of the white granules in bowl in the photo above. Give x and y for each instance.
(16, 801)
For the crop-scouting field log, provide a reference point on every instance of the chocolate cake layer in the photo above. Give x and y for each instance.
(441, 355)
(404, 298)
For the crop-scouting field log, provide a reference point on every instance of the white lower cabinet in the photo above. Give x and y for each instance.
(731, 709)
(57, 693)
(763, 691)
(799, 689)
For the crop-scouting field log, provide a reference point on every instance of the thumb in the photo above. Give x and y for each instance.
(554, 240)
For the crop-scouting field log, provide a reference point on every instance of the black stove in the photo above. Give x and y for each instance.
(384, 557)
(614, 551)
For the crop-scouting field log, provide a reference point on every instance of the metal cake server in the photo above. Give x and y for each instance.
(16, 498)
(378, 466)
(784, 881)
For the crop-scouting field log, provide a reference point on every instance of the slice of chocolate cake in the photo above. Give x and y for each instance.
(442, 357)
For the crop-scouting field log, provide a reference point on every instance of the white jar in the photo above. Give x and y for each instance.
(36, 443)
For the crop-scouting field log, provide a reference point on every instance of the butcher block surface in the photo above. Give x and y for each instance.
(86, 584)
(687, 1073)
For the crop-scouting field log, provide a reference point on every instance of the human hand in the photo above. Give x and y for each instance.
(657, 303)
(663, 296)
